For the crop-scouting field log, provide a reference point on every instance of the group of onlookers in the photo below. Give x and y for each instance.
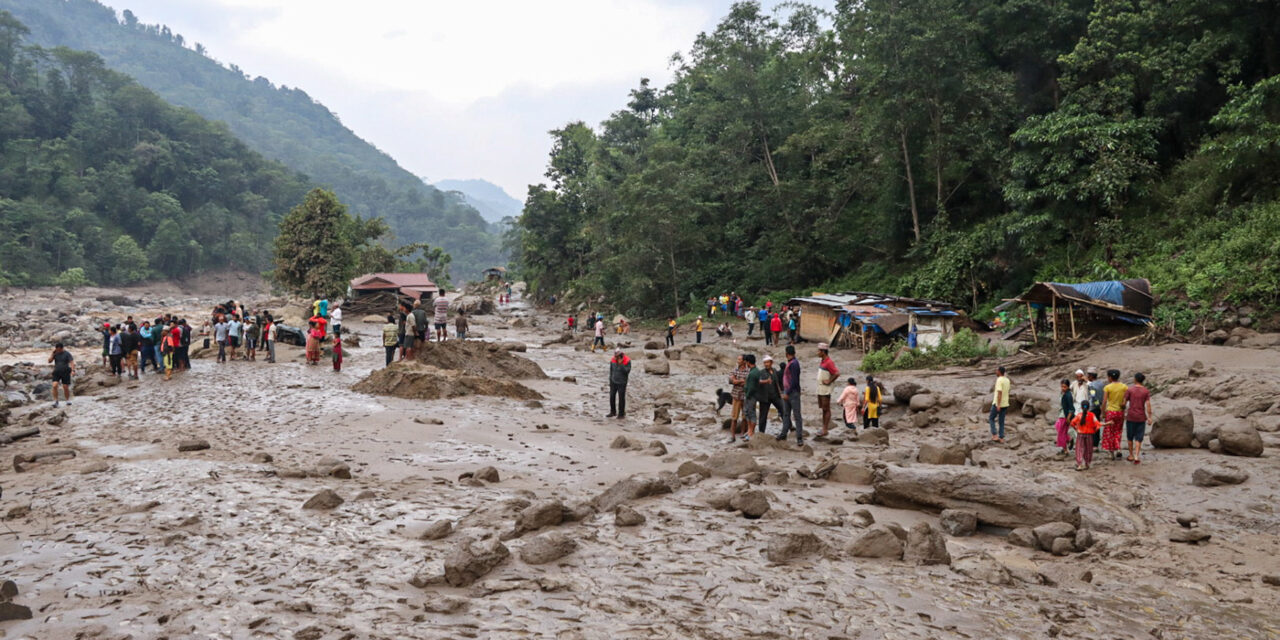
(128, 347)
(754, 390)
(411, 326)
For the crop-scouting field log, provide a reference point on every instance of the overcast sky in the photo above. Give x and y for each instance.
(450, 89)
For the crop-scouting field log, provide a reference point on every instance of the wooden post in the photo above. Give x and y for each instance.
(1071, 308)
(1055, 318)
(1031, 320)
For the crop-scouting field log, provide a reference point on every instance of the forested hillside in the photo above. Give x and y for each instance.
(282, 123)
(489, 199)
(943, 148)
(102, 181)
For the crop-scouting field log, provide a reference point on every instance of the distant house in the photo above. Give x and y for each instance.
(869, 320)
(495, 273)
(413, 285)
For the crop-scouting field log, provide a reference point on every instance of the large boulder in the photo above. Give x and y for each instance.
(1002, 498)
(851, 473)
(874, 436)
(1050, 531)
(641, 485)
(1240, 439)
(1173, 429)
(470, 560)
(542, 513)
(720, 497)
(731, 463)
(953, 454)
(958, 522)
(926, 545)
(982, 566)
(1217, 476)
(877, 542)
(753, 503)
(903, 392)
(923, 402)
(789, 545)
(547, 547)
(657, 367)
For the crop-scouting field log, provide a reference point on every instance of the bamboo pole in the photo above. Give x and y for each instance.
(1055, 318)
(1031, 320)
(1072, 310)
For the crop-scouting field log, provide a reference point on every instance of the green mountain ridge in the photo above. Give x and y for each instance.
(282, 123)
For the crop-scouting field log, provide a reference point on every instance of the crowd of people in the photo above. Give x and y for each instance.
(129, 346)
(756, 390)
(413, 325)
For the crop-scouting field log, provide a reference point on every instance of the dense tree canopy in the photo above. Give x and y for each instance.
(282, 123)
(940, 148)
(99, 174)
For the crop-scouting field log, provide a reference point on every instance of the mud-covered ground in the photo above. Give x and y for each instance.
(132, 538)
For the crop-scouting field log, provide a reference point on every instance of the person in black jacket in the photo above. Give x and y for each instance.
(619, 371)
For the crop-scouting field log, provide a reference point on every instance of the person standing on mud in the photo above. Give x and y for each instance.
(335, 319)
(172, 339)
(671, 331)
(749, 397)
(1138, 413)
(791, 398)
(403, 338)
(1086, 425)
(619, 373)
(390, 338)
(114, 351)
(751, 320)
(828, 373)
(768, 393)
(64, 366)
(442, 318)
(598, 340)
(271, 342)
(235, 329)
(1113, 427)
(1066, 411)
(737, 387)
(129, 343)
(851, 401)
(871, 399)
(147, 348)
(421, 326)
(1096, 402)
(697, 330)
(999, 405)
(460, 325)
(251, 334)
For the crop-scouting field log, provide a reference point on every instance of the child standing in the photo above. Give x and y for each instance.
(1086, 425)
(1066, 411)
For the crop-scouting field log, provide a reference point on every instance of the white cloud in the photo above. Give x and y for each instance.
(450, 89)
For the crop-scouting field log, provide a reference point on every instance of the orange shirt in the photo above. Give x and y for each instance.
(1085, 423)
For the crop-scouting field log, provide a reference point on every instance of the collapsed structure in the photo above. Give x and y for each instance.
(867, 321)
(1085, 304)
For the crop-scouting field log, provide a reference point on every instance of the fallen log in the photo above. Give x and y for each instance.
(22, 459)
(7, 437)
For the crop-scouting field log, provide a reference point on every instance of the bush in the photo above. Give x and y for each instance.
(965, 345)
(71, 279)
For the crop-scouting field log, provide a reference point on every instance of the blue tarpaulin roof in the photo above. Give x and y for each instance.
(1124, 299)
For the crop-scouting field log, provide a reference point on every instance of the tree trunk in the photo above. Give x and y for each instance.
(911, 184)
(675, 283)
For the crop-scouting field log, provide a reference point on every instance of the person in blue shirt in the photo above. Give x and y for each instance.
(324, 307)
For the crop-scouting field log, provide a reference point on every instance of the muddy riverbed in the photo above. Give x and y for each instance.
(133, 538)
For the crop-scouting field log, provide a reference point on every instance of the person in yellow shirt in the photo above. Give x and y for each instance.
(999, 405)
(871, 399)
(697, 330)
(1113, 402)
(671, 332)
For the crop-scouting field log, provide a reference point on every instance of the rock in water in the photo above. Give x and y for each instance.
(626, 516)
(753, 503)
(547, 547)
(488, 474)
(470, 560)
(543, 513)
(323, 501)
(877, 542)
(1240, 439)
(731, 463)
(1217, 476)
(193, 445)
(784, 547)
(1173, 429)
(925, 546)
(958, 522)
(635, 487)
(438, 529)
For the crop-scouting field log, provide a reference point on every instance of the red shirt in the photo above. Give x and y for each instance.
(1137, 397)
(321, 323)
(775, 324)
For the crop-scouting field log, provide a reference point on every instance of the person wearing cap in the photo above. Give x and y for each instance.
(619, 372)
(106, 343)
(791, 398)
(752, 316)
(737, 389)
(1079, 389)
(64, 366)
(768, 392)
(828, 373)
(598, 341)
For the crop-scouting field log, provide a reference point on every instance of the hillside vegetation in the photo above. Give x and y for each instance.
(938, 148)
(282, 123)
(102, 181)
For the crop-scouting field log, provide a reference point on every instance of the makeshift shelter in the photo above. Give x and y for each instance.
(495, 273)
(417, 286)
(867, 320)
(1113, 301)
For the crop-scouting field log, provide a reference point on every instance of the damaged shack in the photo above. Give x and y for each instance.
(867, 321)
(1069, 309)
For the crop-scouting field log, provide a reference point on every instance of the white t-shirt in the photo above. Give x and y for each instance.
(599, 328)
(336, 316)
